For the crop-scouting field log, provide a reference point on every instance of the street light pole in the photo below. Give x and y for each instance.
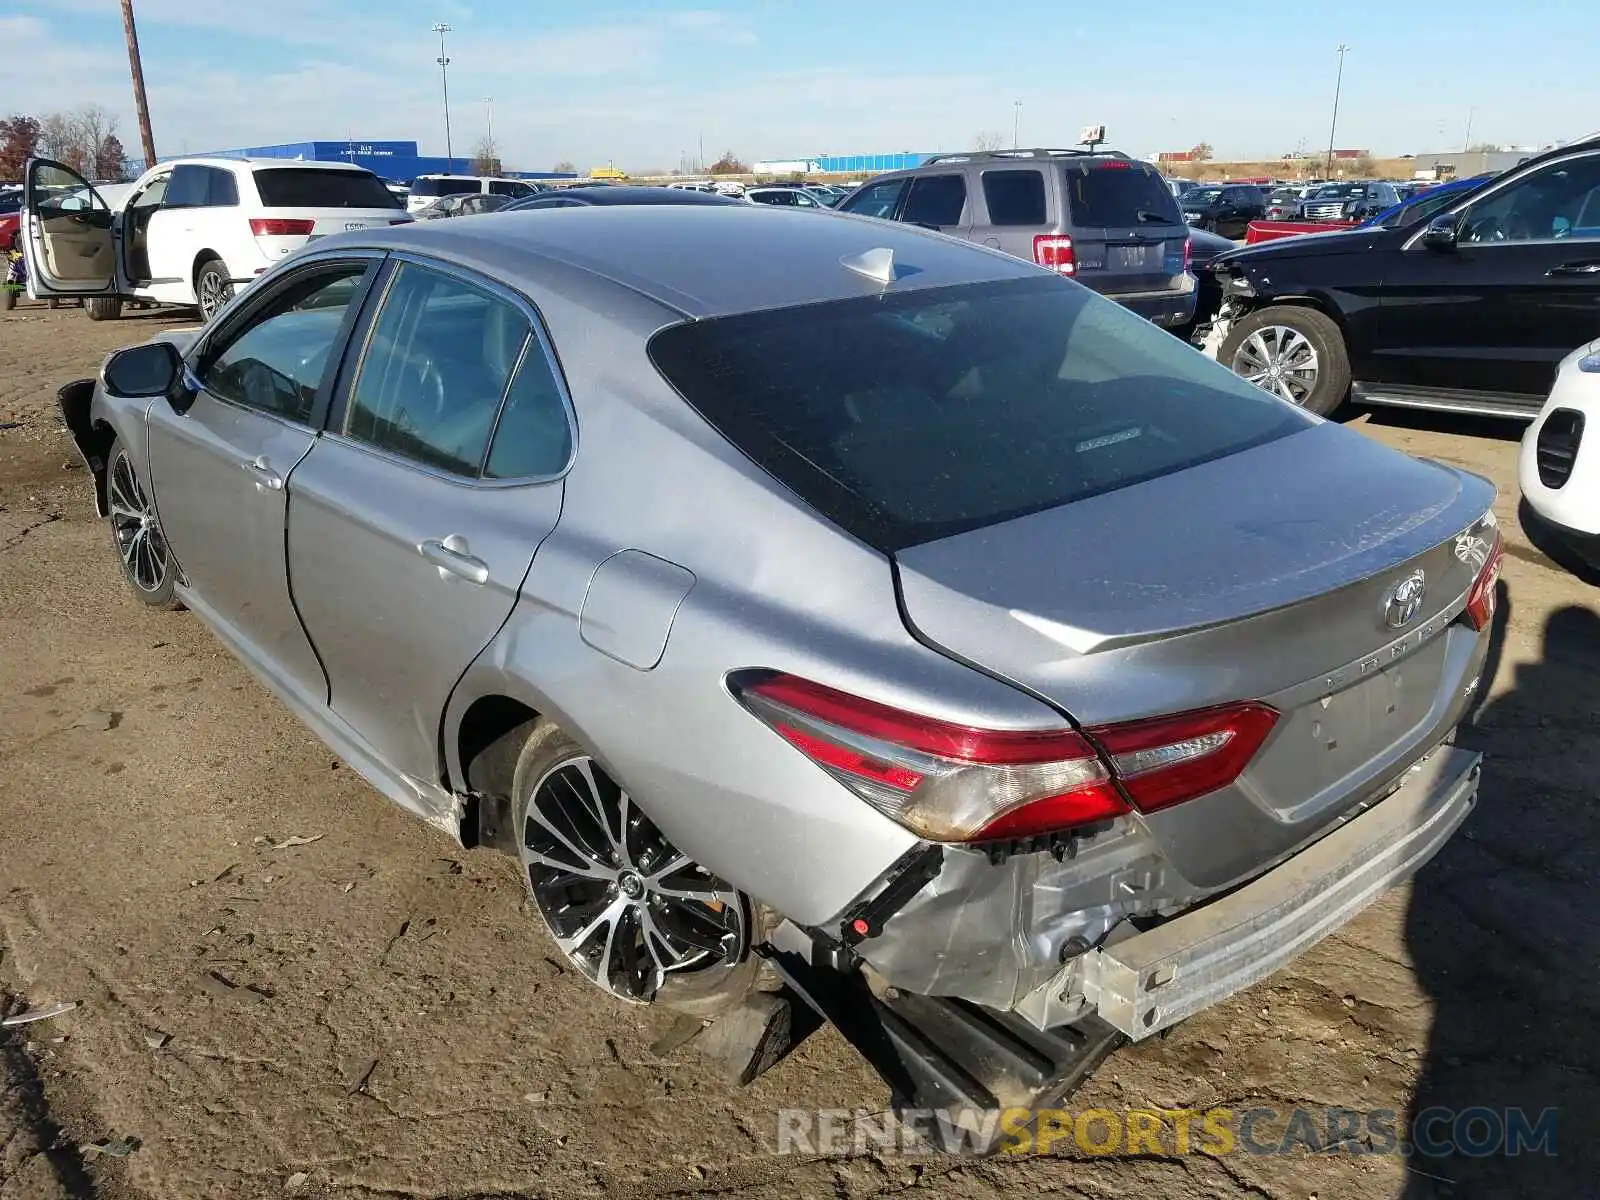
(1016, 121)
(488, 107)
(444, 79)
(1338, 84)
(1467, 144)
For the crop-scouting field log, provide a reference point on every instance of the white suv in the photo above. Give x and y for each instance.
(425, 189)
(191, 231)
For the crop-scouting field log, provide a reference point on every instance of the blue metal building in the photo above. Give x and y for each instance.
(398, 161)
(869, 164)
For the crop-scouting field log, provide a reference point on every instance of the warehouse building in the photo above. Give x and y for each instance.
(841, 164)
(398, 161)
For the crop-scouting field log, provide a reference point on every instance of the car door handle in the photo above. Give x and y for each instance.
(452, 557)
(267, 480)
(1592, 267)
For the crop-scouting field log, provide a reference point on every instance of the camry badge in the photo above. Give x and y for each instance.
(1404, 601)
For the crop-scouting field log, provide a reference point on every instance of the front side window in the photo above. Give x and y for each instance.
(436, 368)
(876, 199)
(936, 200)
(190, 187)
(276, 362)
(914, 417)
(1560, 200)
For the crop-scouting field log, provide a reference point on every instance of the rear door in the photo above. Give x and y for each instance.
(1016, 209)
(68, 237)
(414, 519)
(1128, 235)
(186, 223)
(1520, 290)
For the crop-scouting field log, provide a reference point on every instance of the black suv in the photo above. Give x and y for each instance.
(1468, 310)
(1104, 219)
(1225, 209)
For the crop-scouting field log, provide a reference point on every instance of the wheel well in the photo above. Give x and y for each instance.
(97, 449)
(490, 740)
(201, 260)
(1299, 302)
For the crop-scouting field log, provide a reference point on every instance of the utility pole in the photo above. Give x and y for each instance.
(147, 140)
(1338, 84)
(444, 80)
(1016, 121)
(488, 106)
(1467, 142)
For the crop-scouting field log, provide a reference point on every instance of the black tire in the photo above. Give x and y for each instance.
(103, 308)
(702, 991)
(212, 289)
(142, 552)
(1329, 385)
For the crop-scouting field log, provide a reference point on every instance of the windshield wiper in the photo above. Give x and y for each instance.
(1146, 214)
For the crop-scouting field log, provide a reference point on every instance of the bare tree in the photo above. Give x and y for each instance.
(93, 125)
(58, 139)
(988, 139)
(486, 157)
(1201, 152)
(564, 168)
(729, 164)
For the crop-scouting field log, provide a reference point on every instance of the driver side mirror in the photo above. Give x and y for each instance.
(152, 369)
(1441, 233)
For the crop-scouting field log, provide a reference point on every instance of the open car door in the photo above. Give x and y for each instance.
(68, 235)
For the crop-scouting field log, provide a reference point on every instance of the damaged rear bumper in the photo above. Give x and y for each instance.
(1145, 983)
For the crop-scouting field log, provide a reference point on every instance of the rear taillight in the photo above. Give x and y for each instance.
(1188, 253)
(957, 783)
(280, 227)
(1481, 599)
(1054, 250)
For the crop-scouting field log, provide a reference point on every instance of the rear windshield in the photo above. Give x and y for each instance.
(909, 418)
(299, 187)
(1116, 193)
(445, 187)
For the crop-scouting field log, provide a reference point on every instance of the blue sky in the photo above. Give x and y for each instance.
(643, 83)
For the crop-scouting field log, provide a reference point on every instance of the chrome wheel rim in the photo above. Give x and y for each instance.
(629, 910)
(133, 525)
(1280, 360)
(214, 293)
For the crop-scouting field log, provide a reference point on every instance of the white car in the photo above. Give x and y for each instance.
(789, 197)
(1558, 469)
(191, 231)
(425, 189)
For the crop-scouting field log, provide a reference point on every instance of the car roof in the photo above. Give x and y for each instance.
(222, 160)
(693, 258)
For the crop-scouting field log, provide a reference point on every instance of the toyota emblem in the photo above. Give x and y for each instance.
(1404, 602)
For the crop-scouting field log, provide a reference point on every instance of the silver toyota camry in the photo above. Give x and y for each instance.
(784, 589)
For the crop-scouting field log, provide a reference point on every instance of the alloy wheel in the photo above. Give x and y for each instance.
(628, 909)
(215, 291)
(133, 524)
(1280, 360)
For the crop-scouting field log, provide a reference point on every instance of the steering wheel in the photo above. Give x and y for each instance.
(1486, 229)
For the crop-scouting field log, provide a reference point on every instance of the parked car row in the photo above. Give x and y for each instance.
(800, 597)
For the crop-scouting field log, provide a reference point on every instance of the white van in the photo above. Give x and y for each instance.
(425, 189)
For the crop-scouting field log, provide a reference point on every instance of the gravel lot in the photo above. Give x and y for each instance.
(372, 1013)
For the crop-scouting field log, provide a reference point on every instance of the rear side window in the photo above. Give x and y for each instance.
(445, 187)
(936, 200)
(909, 418)
(533, 437)
(509, 187)
(1014, 197)
(222, 189)
(1116, 193)
(435, 370)
(301, 187)
(876, 199)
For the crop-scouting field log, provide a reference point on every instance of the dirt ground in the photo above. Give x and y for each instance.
(372, 1014)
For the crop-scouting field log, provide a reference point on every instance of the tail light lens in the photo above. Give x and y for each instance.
(1055, 252)
(1188, 253)
(956, 783)
(1481, 599)
(280, 227)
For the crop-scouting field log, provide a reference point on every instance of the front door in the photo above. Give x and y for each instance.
(1519, 292)
(221, 462)
(410, 529)
(67, 241)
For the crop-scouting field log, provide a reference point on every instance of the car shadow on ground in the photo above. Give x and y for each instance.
(1502, 933)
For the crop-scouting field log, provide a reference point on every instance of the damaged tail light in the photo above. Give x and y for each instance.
(1055, 251)
(1481, 599)
(957, 783)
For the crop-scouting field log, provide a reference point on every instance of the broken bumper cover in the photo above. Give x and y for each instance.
(1150, 981)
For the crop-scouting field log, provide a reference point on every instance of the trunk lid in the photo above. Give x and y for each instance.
(1128, 234)
(1196, 589)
